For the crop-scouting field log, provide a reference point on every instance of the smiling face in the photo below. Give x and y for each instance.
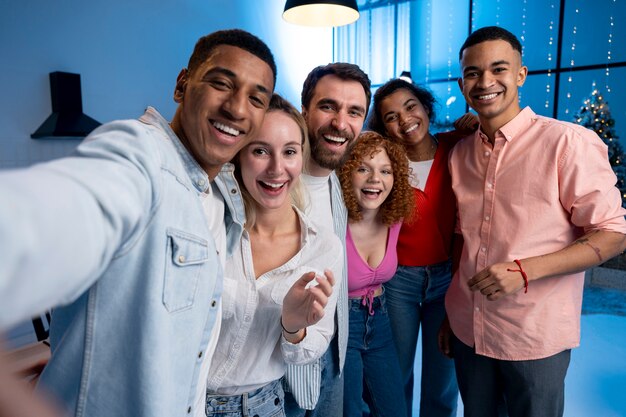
(404, 117)
(334, 119)
(492, 74)
(372, 181)
(222, 104)
(272, 162)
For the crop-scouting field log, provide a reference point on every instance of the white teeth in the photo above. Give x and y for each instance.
(226, 129)
(370, 190)
(337, 139)
(273, 185)
(488, 96)
(412, 128)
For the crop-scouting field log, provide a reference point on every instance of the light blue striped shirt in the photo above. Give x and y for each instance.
(304, 381)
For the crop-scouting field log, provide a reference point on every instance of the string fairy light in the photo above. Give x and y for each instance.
(428, 39)
(608, 53)
(568, 102)
(473, 16)
(523, 42)
(550, 45)
(449, 74)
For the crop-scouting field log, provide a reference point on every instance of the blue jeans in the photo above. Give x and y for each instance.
(267, 401)
(415, 296)
(494, 388)
(330, 402)
(371, 358)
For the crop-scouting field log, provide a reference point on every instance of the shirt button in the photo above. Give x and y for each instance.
(213, 303)
(200, 354)
(487, 153)
(246, 318)
(233, 191)
(181, 258)
(487, 218)
(476, 308)
(489, 185)
(236, 346)
(189, 410)
(483, 249)
(201, 182)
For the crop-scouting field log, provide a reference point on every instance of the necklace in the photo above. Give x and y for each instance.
(428, 154)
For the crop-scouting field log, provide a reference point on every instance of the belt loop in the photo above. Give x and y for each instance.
(244, 404)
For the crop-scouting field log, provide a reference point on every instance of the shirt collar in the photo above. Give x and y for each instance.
(518, 124)
(513, 128)
(198, 176)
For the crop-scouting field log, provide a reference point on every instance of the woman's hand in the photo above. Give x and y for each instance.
(467, 123)
(304, 304)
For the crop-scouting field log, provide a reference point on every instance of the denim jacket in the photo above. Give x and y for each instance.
(117, 235)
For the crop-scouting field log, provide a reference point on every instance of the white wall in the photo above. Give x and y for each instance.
(128, 54)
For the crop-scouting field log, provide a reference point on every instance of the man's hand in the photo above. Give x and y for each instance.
(304, 306)
(497, 281)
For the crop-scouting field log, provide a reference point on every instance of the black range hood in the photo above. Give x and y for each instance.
(67, 118)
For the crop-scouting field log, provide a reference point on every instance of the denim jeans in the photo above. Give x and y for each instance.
(415, 296)
(267, 401)
(492, 387)
(371, 358)
(330, 402)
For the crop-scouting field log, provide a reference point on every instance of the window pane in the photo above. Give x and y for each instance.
(586, 31)
(534, 22)
(573, 93)
(449, 107)
(438, 29)
(538, 93)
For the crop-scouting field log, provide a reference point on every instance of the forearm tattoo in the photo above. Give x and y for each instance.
(585, 241)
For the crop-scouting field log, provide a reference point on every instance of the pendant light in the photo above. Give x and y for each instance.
(321, 12)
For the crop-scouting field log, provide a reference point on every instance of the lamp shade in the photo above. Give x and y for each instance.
(321, 12)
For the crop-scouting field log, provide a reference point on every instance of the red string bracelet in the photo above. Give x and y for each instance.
(521, 271)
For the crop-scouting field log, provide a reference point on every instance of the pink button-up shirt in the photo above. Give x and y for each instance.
(542, 185)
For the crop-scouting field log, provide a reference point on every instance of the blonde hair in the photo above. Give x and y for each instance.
(298, 193)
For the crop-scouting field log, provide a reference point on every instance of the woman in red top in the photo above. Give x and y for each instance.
(415, 295)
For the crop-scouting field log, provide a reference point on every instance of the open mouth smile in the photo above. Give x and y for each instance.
(229, 130)
(335, 140)
(485, 97)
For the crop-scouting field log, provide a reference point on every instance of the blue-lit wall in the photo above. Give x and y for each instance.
(128, 54)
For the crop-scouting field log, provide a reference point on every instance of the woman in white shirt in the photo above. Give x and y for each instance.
(278, 304)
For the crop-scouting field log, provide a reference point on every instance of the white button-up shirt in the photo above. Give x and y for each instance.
(251, 351)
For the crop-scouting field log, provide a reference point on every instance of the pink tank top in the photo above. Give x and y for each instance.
(363, 280)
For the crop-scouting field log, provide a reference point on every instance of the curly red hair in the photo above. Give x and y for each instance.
(399, 204)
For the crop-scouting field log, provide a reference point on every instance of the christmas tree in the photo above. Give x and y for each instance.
(595, 114)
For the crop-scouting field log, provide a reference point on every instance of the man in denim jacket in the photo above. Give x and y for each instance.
(120, 235)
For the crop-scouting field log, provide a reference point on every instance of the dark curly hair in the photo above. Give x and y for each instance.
(421, 93)
(400, 202)
(233, 37)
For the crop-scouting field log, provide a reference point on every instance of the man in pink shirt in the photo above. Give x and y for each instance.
(537, 206)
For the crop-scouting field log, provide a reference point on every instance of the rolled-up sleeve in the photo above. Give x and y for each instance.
(587, 184)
